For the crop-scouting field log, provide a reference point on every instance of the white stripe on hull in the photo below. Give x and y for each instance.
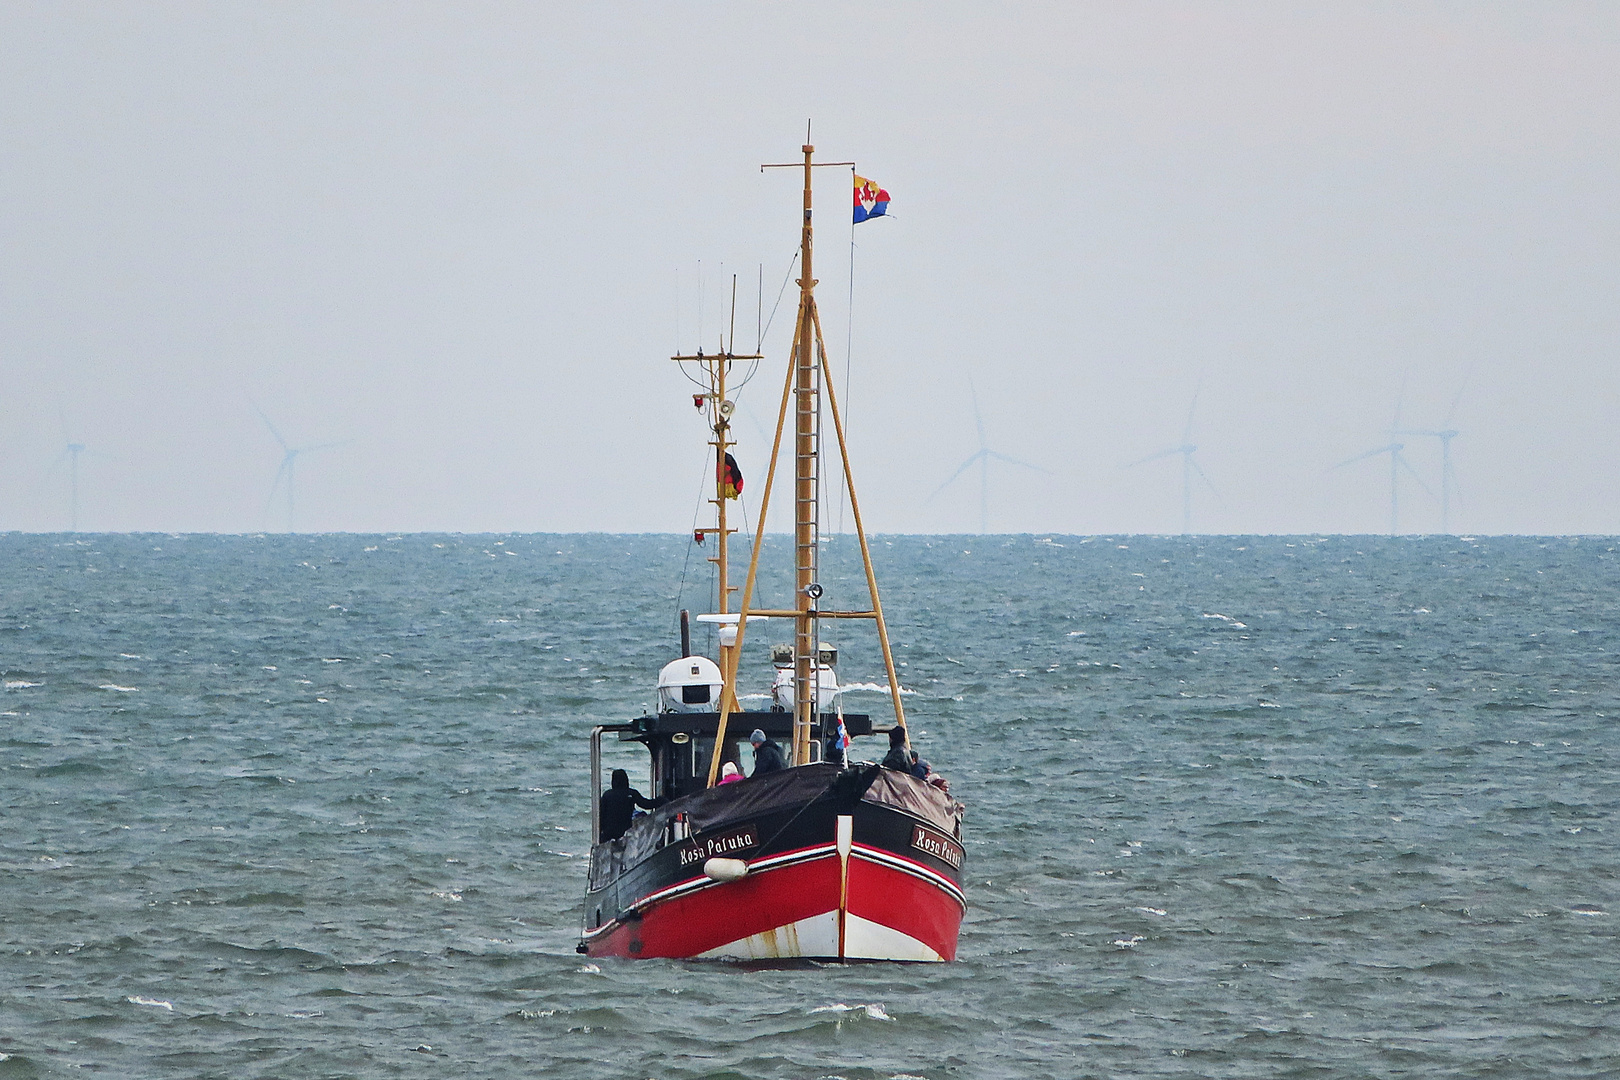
(815, 937)
(867, 940)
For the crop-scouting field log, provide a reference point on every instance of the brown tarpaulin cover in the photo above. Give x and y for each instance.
(917, 798)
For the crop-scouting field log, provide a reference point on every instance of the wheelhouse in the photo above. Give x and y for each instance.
(680, 746)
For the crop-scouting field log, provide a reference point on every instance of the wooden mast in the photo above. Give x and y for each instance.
(808, 374)
(806, 531)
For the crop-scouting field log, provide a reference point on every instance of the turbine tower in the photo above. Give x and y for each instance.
(289, 458)
(1188, 465)
(71, 450)
(1397, 462)
(1445, 434)
(982, 459)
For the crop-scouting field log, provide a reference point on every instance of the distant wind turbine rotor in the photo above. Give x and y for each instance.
(71, 449)
(1445, 433)
(1397, 462)
(1189, 466)
(289, 459)
(982, 459)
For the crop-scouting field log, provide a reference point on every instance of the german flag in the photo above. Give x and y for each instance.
(729, 477)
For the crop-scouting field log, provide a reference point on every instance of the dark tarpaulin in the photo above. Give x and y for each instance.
(748, 800)
(711, 809)
(917, 798)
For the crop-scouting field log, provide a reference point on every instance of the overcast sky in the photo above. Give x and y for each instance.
(462, 240)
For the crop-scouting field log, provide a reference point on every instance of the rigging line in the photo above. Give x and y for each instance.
(714, 590)
(691, 542)
(766, 846)
(849, 348)
(691, 380)
(753, 368)
(742, 504)
(791, 264)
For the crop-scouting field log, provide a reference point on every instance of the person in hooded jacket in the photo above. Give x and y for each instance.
(898, 758)
(619, 804)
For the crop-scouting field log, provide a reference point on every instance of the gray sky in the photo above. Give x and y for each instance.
(453, 236)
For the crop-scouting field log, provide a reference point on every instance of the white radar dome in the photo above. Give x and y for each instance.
(690, 684)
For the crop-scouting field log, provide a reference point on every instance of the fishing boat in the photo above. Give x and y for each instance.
(829, 857)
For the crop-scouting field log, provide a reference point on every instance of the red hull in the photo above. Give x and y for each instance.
(805, 903)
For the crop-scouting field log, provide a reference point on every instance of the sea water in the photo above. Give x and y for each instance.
(316, 806)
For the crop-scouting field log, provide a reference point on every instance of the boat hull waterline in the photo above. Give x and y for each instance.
(887, 889)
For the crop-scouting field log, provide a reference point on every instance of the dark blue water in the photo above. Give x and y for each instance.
(1274, 807)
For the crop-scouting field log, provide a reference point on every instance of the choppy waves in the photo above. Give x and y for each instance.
(317, 806)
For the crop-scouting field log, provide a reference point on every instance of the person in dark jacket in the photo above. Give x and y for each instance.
(768, 756)
(619, 804)
(898, 758)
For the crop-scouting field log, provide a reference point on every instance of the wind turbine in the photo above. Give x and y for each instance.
(70, 453)
(1188, 465)
(1397, 462)
(289, 457)
(1445, 435)
(982, 459)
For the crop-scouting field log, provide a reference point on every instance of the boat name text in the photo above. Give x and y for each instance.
(938, 845)
(702, 848)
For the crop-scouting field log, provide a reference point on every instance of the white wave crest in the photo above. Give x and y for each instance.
(20, 684)
(873, 1010)
(154, 1002)
(871, 688)
(119, 689)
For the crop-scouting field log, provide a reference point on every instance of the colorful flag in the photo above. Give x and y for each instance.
(870, 200)
(730, 478)
(843, 733)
